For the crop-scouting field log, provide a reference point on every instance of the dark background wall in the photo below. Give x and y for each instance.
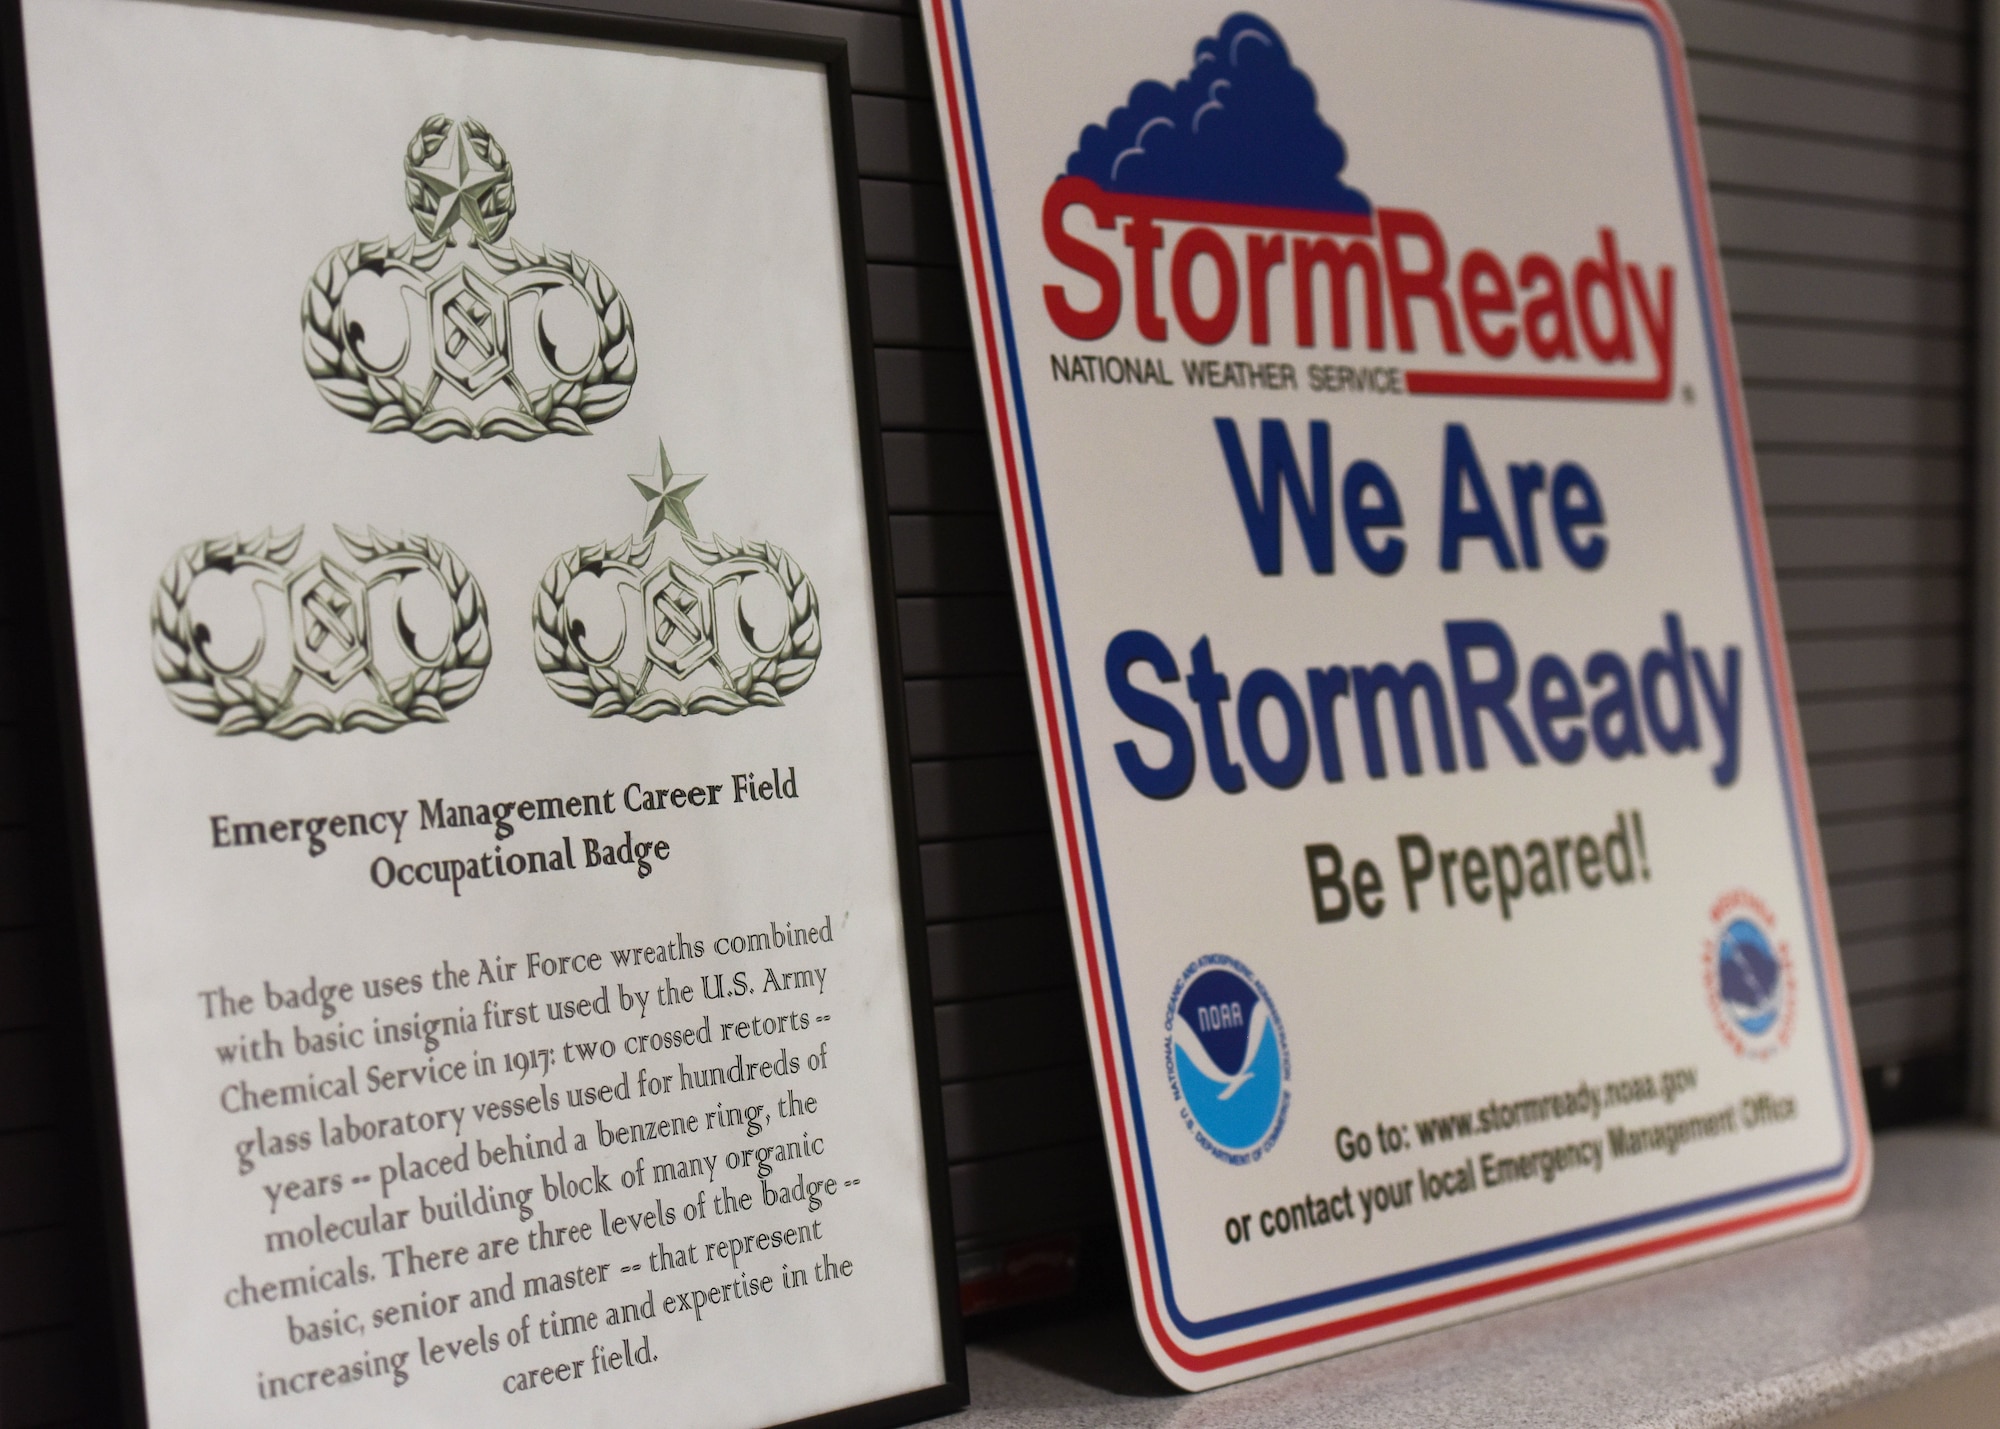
(1837, 134)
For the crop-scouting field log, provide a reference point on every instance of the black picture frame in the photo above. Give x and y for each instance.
(57, 796)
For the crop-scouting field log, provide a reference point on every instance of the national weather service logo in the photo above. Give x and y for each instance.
(1748, 970)
(1226, 1059)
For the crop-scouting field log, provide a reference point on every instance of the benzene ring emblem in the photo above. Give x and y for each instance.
(459, 330)
(720, 628)
(247, 636)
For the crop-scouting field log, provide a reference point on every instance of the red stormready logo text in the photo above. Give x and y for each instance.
(1362, 281)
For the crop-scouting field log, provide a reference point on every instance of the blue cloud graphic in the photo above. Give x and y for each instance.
(1243, 127)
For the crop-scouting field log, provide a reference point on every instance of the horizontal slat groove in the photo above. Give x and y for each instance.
(1886, 208)
(1942, 19)
(1731, 90)
(1827, 43)
(1853, 170)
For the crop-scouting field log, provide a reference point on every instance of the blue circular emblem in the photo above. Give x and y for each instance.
(1749, 979)
(1227, 1061)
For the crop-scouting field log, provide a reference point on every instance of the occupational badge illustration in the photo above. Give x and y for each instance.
(249, 636)
(459, 330)
(712, 628)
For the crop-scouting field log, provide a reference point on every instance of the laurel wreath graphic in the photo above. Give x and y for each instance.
(236, 705)
(383, 401)
(601, 391)
(496, 211)
(765, 679)
(388, 404)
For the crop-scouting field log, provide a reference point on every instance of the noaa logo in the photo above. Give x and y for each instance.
(1226, 1059)
(1748, 971)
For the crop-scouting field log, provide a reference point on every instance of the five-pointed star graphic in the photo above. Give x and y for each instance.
(460, 191)
(670, 501)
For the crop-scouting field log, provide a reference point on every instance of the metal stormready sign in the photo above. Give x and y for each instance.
(1428, 788)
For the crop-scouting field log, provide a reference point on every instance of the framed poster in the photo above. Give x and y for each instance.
(1428, 785)
(461, 473)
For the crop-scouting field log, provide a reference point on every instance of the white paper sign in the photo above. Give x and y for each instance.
(1428, 788)
(488, 768)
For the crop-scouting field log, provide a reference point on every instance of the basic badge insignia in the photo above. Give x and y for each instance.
(717, 629)
(505, 341)
(247, 636)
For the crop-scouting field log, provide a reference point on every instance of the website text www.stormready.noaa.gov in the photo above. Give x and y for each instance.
(1657, 1116)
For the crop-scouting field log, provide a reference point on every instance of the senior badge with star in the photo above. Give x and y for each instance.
(712, 629)
(458, 330)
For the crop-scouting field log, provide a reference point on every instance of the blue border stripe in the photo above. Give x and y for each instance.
(1346, 1294)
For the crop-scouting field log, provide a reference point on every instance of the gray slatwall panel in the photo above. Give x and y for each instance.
(1952, 17)
(1861, 540)
(1826, 295)
(1877, 480)
(907, 7)
(1730, 92)
(1890, 1027)
(1836, 135)
(1785, 353)
(1886, 843)
(1845, 417)
(16, 908)
(897, 139)
(1876, 907)
(917, 307)
(1023, 1111)
(1881, 783)
(1877, 604)
(27, 1079)
(1799, 39)
(1851, 665)
(1854, 724)
(975, 877)
(968, 716)
(938, 471)
(1024, 1032)
(1009, 1197)
(29, 1197)
(956, 553)
(972, 797)
(1766, 224)
(37, 1268)
(885, 52)
(959, 635)
(39, 1373)
(990, 957)
(907, 222)
(1009, 1024)
(1890, 963)
(1838, 169)
(24, 994)
(937, 391)
(38, 1262)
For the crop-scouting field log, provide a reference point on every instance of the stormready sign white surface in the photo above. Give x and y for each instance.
(490, 784)
(1428, 788)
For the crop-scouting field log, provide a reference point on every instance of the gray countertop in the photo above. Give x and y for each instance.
(1764, 1337)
